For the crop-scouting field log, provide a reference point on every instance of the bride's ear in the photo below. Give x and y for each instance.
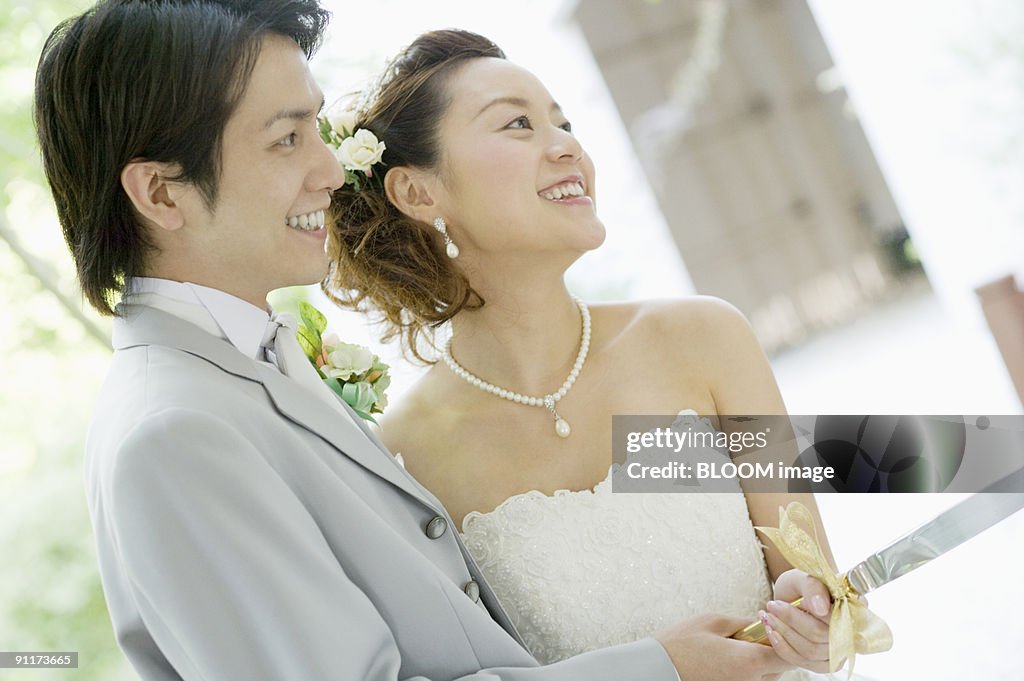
(411, 191)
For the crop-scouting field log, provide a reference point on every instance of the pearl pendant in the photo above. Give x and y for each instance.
(451, 250)
(562, 428)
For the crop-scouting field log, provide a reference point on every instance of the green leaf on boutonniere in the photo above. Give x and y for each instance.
(309, 332)
(312, 317)
(309, 341)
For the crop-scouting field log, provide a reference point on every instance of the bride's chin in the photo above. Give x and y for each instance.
(594, 237)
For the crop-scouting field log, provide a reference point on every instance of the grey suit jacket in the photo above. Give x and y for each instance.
(247, 531)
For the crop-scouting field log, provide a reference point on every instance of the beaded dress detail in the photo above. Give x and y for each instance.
(581, 570)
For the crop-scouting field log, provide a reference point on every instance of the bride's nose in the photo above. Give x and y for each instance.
(564, 147)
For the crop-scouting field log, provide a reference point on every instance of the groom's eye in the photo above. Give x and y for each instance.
(289, 140)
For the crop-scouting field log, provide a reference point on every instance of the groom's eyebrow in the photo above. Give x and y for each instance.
(294, 115)
(514, 101)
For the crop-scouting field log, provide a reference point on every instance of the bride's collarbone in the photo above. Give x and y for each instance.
(474, 450)
(477, 467)
(530, 451)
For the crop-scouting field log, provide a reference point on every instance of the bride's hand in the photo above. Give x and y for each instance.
(799, 634)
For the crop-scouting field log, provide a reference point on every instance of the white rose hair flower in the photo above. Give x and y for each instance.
(361, 151)
(357, 149)
(342, 122)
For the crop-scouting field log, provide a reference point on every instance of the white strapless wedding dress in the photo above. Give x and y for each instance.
(583, 570)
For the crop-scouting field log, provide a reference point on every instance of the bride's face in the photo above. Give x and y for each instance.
(513, 177)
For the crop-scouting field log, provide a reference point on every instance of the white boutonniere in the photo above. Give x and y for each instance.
(352, 371)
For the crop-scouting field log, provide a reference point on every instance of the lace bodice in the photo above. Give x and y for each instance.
(581, 570)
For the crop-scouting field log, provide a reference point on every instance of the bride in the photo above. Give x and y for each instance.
(482, 200)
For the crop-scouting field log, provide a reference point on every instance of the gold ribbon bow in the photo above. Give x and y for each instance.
(852, 628)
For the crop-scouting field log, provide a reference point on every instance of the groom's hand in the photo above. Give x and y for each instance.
(701, 650)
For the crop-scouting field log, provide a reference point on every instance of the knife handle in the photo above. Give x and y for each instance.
(755, 633)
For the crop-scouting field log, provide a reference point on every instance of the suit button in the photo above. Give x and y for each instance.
(472, 590)
(436, 527)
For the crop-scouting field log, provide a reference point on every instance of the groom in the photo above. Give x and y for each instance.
(247, 526)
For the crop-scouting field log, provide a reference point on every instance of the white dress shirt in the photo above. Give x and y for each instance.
(223, 315)
(216, 312)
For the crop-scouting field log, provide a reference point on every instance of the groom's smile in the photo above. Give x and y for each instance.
(307, 222)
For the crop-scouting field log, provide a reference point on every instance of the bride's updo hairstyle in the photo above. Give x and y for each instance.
(381, 259)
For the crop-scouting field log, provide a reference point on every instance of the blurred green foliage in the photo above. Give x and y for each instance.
(50, 594)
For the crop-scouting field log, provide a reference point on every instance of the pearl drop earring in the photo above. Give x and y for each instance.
(449, 247)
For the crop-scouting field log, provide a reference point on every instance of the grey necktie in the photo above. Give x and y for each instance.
(279, 338)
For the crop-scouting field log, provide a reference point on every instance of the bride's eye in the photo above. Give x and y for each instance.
(567, 126)
(521, 123)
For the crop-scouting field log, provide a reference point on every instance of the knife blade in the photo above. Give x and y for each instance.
(945, 531)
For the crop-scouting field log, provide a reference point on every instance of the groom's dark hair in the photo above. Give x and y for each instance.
(153, 80)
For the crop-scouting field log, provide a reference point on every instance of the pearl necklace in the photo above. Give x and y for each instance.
(547, 401)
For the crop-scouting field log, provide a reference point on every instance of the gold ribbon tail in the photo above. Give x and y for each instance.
(853, 629)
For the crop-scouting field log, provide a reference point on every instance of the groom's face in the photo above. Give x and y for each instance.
(275, 171)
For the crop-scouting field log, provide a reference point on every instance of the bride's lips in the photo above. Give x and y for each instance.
(573, 201)
(570, 190)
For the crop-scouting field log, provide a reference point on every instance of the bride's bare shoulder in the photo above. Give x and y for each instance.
(694, 320)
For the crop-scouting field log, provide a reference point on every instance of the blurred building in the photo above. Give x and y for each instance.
(758, 162)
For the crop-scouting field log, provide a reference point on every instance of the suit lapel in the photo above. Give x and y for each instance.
(375, 439)
(298, 405)
(142, 325)
(363, 446)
